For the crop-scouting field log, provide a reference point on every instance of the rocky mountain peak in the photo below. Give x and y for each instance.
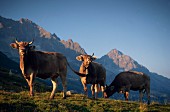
(25, 20)
(73, 45)
(44, 33)
(123, 61)
(114, 53)
(55, 36)
(31, 25)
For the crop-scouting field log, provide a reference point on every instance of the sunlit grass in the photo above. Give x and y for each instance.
(14, 97)
(10, 101)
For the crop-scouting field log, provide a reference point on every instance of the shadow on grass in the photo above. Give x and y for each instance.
(78, 108)
(17, 107)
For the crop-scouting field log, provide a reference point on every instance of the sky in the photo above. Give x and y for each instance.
(138, 28)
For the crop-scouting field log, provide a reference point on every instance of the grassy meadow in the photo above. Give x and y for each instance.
(21, 102)
(14, 97)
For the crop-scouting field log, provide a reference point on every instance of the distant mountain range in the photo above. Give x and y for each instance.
(114, 61)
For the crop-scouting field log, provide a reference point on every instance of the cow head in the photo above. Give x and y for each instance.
(23, 47)
(109, 90)
(87, 59)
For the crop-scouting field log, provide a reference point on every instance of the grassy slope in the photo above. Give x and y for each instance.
(22, 102)
(14, 97)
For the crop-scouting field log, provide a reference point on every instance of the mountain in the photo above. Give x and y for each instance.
(74, 46)
(121, 62)
(114, 61)
(26, 30)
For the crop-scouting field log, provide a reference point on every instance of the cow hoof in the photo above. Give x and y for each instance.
(85, 97)
(51, 97)
(31, 95)
(93, 98)
(64, 97)
(148, 103)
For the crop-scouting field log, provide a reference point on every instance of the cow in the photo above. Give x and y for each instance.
(41, 64)
(95, 74)
(129, 80)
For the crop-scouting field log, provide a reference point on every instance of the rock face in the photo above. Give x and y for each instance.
(74, 46)
(26, 30)
(123, 61)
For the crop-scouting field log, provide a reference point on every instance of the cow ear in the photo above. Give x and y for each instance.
(111, 88)
(14, 45)
(94, 58)
(80, 58)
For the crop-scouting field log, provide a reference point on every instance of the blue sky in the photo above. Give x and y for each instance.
(138, 28)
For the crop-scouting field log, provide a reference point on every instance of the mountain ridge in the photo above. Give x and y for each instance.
(26, 30)
(123, 61)
(74, 46)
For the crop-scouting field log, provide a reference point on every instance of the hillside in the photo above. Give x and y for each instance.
(14, 97)
(10, 101)
(8, 64)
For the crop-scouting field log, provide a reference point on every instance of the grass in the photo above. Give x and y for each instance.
(14, 102)
(14, 97)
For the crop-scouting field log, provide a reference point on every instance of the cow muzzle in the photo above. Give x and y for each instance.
(22, 52)
(105, 95)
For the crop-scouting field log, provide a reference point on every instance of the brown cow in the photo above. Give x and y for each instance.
(41, 64)
(95, 74)
(130, 80)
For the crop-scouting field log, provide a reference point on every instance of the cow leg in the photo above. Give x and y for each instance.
(96, 90)
(93, 90)
(148, 95)
(102, 89)
(30, 83)
(85, 89)
(54, 82)
(64, 83)
(126, 95)
(140, 95)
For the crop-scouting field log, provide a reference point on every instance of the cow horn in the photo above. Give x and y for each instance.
(16, 41)
(92, 54)
(31, 42)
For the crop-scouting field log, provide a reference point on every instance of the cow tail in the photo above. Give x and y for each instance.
(79, 74)
(144, 91)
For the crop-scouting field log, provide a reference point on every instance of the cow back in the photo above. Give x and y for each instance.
(135, 80)
(46, 63)
(100, 71)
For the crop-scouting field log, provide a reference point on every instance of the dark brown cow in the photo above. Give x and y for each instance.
(41, 64)
(130, 80)
(95, 74)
